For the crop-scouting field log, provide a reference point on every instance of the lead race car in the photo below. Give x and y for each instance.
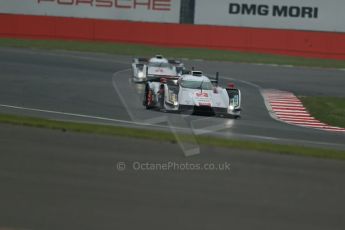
(145, 69)
(193, 93)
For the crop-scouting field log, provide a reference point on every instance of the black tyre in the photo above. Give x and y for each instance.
(148, 99)
(161, 100)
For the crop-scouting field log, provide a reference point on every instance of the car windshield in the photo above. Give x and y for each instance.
(160, 64)
(206, 85)
(179, 69)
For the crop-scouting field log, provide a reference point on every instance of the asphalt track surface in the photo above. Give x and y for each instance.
(96, 88)
(57, 180)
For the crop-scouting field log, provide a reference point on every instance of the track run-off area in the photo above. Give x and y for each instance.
(286, 107)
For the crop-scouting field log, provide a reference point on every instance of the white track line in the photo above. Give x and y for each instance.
(288, 108)
(73, 114)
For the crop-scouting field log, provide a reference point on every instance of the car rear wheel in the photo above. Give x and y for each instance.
(162, 100)
(148, 99)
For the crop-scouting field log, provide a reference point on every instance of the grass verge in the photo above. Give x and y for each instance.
(330, 110)
(166, 136)
(191, 53)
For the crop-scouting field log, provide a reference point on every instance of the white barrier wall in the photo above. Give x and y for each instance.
(166, 11)
(312, 15)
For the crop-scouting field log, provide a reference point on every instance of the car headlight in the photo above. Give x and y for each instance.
(140, 75)
(172, 97)
(234, 102)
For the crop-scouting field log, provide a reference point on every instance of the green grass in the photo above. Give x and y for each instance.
(330, 110)
(191, 53)
(169, 137)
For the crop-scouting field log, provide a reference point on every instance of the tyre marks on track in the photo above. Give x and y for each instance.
(285, 106)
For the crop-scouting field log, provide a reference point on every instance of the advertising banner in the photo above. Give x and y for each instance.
(165, 11)
(311, 15)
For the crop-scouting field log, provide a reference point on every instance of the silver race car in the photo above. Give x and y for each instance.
(138, 69)
(145, 69)
(192, 93)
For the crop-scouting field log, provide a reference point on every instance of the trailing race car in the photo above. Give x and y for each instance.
(138, 69)
(158, 66)
(192, 93)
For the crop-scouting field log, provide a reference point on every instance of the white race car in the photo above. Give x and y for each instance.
(158, 66)
(192, 93)
(138, 69)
